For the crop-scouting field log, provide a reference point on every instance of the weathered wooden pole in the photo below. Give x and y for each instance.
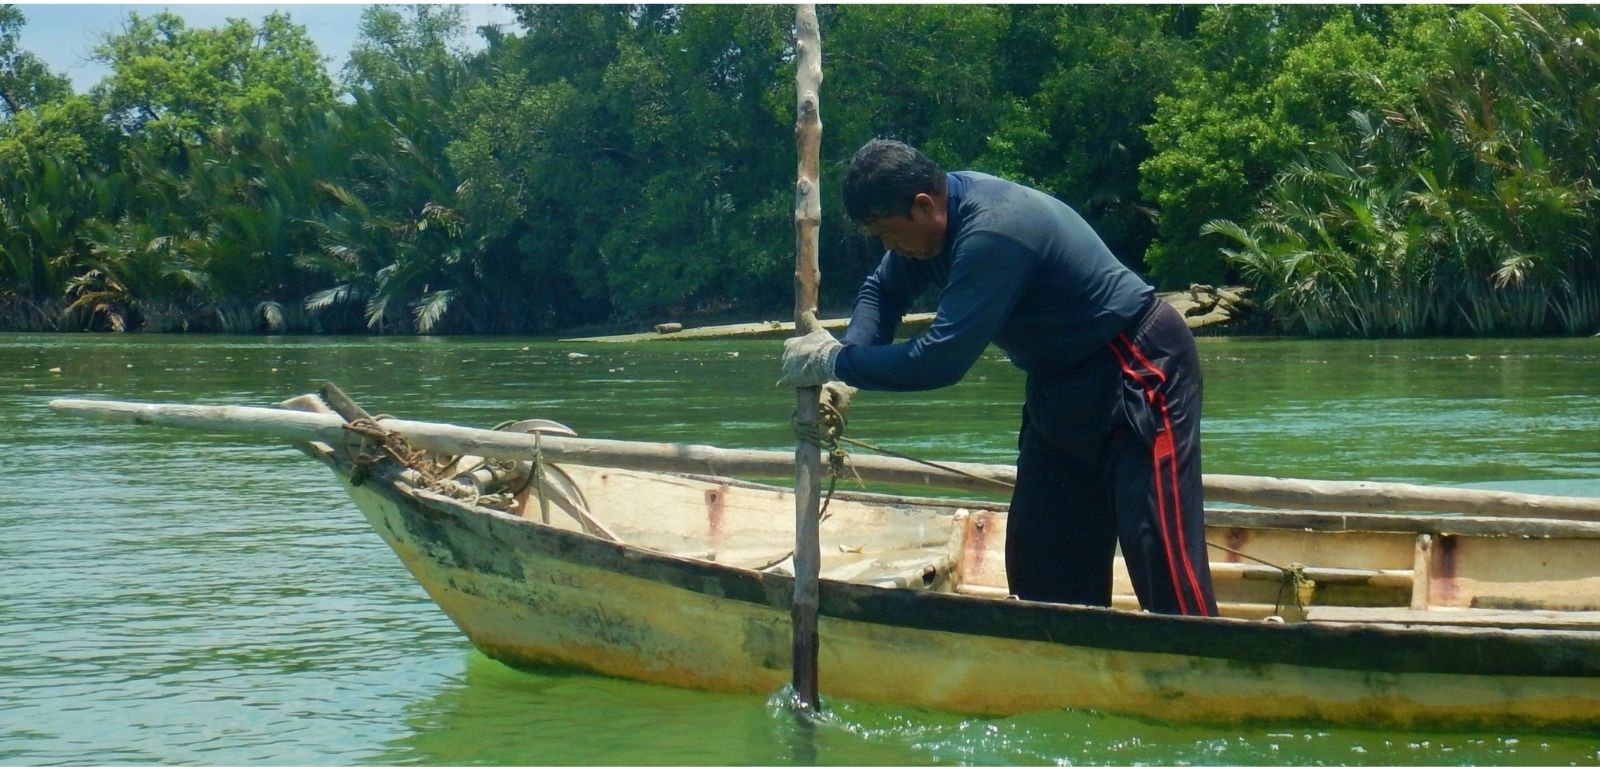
(291, 426)
(807, 275)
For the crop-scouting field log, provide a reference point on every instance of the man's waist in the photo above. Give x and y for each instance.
(1142, 318)
(1062, 358)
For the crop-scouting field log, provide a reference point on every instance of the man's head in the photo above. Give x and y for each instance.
(897, 194)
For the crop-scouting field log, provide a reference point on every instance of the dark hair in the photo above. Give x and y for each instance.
(885, 176)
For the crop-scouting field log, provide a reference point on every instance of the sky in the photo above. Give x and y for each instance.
(63, 35)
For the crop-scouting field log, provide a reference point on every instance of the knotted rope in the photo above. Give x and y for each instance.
(381, 443)
(1292, 576)
(826, 433)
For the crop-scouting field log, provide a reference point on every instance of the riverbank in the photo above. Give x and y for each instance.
(1208, 310)
(1205, 309)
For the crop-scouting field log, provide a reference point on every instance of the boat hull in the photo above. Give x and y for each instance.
(532, 595)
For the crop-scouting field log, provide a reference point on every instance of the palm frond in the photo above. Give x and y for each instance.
(431, 309)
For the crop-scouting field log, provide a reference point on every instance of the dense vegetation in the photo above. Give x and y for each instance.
(1371, 170)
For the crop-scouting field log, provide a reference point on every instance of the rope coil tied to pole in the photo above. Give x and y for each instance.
(826, 433)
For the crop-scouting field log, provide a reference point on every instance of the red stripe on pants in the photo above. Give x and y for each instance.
(1164, 447)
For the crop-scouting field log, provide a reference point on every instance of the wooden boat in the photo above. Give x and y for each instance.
(1350, 603)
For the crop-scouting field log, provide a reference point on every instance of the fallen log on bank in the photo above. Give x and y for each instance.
(1315, 495)
(1202, 306)
(913, 323)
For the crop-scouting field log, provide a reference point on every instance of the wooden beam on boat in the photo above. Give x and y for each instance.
(294, 426)
(1403, 522)
(1299, 519)
(1325, 495)
(291, 426)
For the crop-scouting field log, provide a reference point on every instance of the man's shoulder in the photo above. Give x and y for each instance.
(971, 178)
(985, 191)
(1006, 210)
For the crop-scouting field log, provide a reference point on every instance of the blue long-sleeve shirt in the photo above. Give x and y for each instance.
(1019, 268)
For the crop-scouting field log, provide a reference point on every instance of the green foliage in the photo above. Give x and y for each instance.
(174, 84)
(25, 81)
(685, 193)
(1468, 205)
(630, 163)
(1271, 83)
(69, 127)
(1080, 135)
(48, 201)
(925, 75)
(392, 45)
(642, 180)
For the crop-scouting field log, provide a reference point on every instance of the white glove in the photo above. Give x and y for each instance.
(808, 359)
(837, 395)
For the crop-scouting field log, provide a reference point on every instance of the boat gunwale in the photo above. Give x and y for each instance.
(1400, 649)
(1436, 523)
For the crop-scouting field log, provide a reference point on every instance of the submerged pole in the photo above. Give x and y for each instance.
(807, 276)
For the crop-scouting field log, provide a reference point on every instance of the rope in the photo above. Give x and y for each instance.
(385, 443)
(1293, 575)
(940, 466)
(826, 433)
(443, 473)
(1237, 553)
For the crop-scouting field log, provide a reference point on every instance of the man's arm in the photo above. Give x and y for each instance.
(988, 273)
(883, 300)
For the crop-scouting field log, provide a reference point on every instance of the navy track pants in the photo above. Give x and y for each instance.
(1110, 452)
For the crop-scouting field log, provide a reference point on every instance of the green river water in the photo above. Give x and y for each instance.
(180, 598)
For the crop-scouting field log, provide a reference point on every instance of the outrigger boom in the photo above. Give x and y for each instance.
(1315, 495)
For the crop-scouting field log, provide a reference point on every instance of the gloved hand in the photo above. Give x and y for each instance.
(808, 359)
(837, 395)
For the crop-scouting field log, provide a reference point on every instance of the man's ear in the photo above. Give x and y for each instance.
(923, 202)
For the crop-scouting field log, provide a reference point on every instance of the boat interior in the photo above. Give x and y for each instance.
(1265, 564)
(1291, 565)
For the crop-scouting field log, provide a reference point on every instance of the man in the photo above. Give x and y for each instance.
(1110, 436)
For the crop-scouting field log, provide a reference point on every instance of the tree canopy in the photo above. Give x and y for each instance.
(1371, 170)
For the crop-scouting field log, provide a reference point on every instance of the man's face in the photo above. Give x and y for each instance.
(919, 234)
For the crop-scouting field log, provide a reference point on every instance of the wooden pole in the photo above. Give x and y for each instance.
(290, 426)
(807, 276)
